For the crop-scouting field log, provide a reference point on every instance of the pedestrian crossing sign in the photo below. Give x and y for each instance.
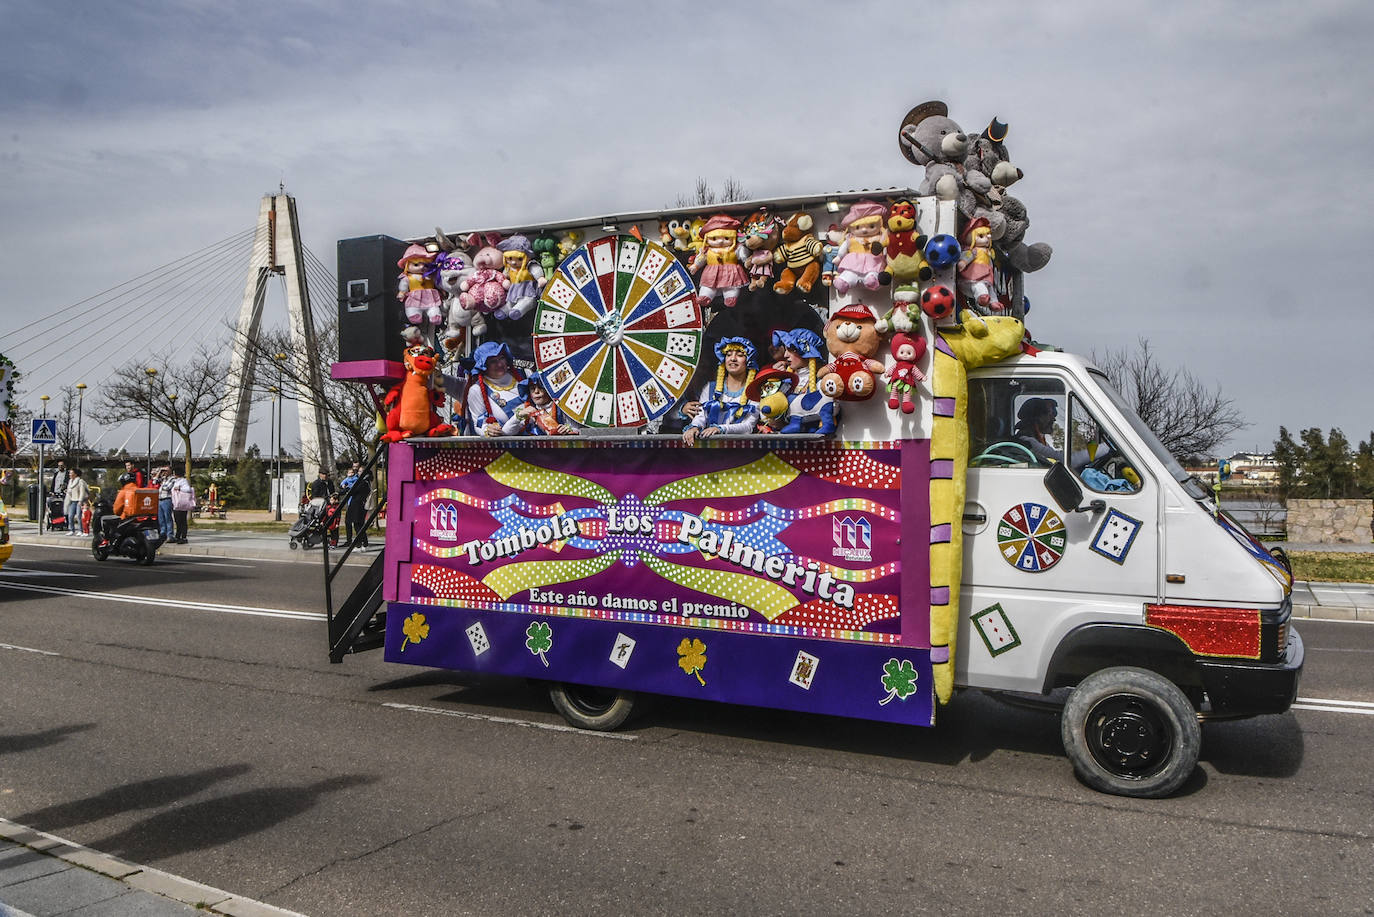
(44, 431)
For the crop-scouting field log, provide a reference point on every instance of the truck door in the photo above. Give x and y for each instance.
(1032, 572)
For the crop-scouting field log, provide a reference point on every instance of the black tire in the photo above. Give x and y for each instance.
(147, 555)
(1131, 732)
(586, 707)
(294, 544)
(99, 551)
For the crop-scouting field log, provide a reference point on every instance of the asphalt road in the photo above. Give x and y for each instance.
(185, 716)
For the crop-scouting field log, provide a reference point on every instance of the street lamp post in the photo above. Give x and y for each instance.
(272, 442)
(151, 374)
(281, 406)
(171, 426)
(42, 475)
(80, 398)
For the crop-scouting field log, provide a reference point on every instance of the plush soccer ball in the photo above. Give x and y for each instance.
(943, 251)
(938, 302)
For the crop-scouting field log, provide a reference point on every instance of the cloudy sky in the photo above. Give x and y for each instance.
(1200, 169)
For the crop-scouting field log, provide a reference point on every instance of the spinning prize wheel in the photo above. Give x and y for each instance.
(618, 332)
(1031, 537)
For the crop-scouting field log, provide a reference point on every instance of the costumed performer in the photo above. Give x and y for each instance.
(725, 406)
(492, 394)
(537, 414)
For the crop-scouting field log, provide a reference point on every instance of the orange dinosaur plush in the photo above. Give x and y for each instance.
(411, 401)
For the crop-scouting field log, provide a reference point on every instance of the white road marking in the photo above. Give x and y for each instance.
(171, 603)
(26, 649)
(508, 721)
(11, 571)
(1365, 708)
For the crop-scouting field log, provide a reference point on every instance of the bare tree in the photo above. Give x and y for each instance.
(182, 396)
(1190, 419)
(351, 413)
(704, 195)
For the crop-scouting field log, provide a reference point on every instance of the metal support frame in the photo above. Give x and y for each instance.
(360, 622)
(276, 250)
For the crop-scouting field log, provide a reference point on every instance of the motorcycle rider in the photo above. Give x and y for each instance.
(124, 505)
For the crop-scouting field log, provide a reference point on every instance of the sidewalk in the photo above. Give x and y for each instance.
(209, 539)
(42, 875)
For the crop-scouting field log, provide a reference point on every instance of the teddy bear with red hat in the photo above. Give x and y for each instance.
(853, 340)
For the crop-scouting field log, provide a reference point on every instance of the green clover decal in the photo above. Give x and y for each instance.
(540, 640)
(899, 678)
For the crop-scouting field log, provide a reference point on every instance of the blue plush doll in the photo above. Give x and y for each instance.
(725, 405)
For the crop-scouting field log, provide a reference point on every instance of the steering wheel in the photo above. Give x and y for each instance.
(997, 454)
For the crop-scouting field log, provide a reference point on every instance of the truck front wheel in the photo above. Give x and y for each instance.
(586, 707)
(1131, 732)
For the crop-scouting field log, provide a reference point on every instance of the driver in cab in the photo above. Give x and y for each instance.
(1034, 425)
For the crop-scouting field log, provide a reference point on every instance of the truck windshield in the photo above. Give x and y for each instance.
(1195, 488)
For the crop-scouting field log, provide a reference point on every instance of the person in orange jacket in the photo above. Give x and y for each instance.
(124, 504)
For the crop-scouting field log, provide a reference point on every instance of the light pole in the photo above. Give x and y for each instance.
(281, 407)
(80, 398)
(171, 428)
(42, 475)
(151, 374)
(272, 442)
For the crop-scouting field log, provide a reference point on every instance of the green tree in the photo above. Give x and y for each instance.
(1364, 467)
(250, 480)
(1290, 457)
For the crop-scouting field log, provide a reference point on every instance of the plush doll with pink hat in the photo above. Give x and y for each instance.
(861, 256)
(722, 255)
(416, 289)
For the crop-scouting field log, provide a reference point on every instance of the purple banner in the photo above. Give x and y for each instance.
(727, 546)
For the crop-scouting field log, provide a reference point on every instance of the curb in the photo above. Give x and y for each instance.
(142, 878)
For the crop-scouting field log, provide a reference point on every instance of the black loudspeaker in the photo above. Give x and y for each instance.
(371, 318)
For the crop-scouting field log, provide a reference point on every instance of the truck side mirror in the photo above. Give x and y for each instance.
(1063, 487)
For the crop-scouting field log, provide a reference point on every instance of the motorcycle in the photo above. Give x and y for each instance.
(136, 537)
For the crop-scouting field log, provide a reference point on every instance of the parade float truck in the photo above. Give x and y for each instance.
(869, 570)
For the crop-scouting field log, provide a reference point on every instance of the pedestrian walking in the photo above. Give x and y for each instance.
(78, 493)
(359, 488)
(163, 479)
(183, 501)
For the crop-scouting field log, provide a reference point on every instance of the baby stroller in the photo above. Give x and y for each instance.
(308, 529)
(57, 514)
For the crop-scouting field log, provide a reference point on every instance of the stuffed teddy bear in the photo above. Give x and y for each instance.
(852, 338)
(484, 288)
(771, 389)
(861, 258)
(762, 233)
(987, 175)
(799, 253)
(907, 350)
(929, 138)
(453, 269)
(525, 276)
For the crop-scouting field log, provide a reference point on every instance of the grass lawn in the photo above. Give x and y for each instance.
(1332, 567)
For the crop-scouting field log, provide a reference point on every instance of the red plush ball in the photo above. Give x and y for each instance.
(937, 302)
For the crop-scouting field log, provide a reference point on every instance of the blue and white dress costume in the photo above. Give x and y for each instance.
(729, 410)
(491, 399)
